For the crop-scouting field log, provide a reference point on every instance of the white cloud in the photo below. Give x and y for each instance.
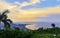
(5, 5)
(32, 2)
(20, 5)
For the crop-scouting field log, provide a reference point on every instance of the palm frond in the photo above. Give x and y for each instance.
(7, 11)
(10, 21)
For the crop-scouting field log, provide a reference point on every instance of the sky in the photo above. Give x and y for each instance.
(32, 10)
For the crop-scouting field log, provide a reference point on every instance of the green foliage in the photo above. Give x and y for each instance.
(40, 33)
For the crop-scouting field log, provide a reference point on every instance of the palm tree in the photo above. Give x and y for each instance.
(3, 18)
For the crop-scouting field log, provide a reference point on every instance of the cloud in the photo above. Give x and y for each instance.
(32, 2)
(18, 14)
(4, 5)
(20, 5)
(32, 14)
(51, 18)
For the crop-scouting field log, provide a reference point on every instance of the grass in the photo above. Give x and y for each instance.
(45, 36)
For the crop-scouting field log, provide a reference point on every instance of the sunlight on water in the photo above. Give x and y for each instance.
(32, 26)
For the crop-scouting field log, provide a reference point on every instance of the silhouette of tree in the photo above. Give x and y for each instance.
(3, 18)
(53, 25)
